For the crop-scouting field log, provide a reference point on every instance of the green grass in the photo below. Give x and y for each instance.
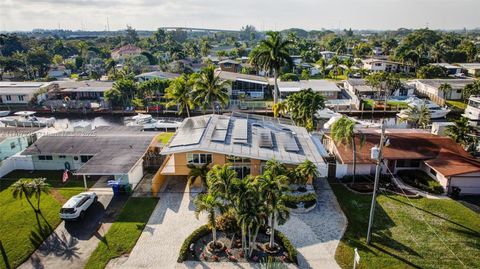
(22, 231)
(421, 180)
(456, 104)
(164, 137)
(369, 103)
(401, 238)
(124, 233)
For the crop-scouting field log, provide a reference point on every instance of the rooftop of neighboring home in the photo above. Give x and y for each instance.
(232, 76)
(228, 61)
(359, 85)
(249, 136)
(126, 48)
(159, 74)
(6, 132)
(115, 150)
(82, 86)
(446, 65)
(470, 65)
(317, 85)
(28, 87)
(456, 84)
(439, 152)
(376, 60)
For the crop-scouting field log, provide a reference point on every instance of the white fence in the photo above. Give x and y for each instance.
(16, 162)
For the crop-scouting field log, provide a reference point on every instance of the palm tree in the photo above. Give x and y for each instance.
(307, 170)
(446, 90)
(322, 65)
(343, 132)
(272, 187)
(220, 180)
(270, 55)
(335, 63)
(417, 116)
(209, 88)
(179, 94)
(303, 105)
(22, 187)
(461, 132)
(39, 186)
(110, 66)
(208, 203)
(198, 171)
(280, 108)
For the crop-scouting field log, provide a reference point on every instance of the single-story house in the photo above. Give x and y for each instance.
(105, 151)
(438, 156)
(21, 93)
(473, 69)
(451, 69)
(327, 88)
(245, 141)
(125, 51)
(230, 66)
(251, 87)
(327, 55)
(156, 75)
(376, 65)
(16, 139)
(78, 94)
(360, 88)
(430, 88)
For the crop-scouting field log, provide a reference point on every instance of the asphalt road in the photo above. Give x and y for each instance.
(72, 242)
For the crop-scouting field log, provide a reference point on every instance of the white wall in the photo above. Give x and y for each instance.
(16, 162)
(57, 163)
(136, 173)
(6, 150)
(468, 183)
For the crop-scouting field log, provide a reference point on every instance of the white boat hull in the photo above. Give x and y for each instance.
(4, 113)
(41, 122)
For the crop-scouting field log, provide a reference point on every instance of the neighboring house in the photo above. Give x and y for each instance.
(21, 93)
(377, 65)
(125, 51)
(327, 55)
(377, 51)
(59, 72)
(14, 140)
(251, 87)
(451, 69)
(106, 151)
(473, 69)
(230, 66)
(438, 156)
(244, 141)
(327, 88)
(296, 59)
(78, 94)
(430, 88)
(156, 75)
(360, 88)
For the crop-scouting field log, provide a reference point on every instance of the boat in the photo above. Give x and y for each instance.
(472, 112)
(358, 123)
(327, 114)
(149, 123)
(27, 119)
(436, 112)
(4, 113)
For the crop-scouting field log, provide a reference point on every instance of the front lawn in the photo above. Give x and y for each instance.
(408, 233)
(22, 231)
(420, 180)
(164, 137)
(457, 104)
(392, 105)
(124, 233)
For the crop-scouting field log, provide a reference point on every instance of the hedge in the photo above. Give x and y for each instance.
(308, 200)
(291, 250)
(192, 239)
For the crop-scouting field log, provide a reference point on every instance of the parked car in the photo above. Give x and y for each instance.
(76, 207)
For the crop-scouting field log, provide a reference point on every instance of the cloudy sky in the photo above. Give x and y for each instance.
(232, 14)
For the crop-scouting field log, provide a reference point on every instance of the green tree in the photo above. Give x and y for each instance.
(39, 186)
(179, 94)
(209, 88)
(417, 117)
(446, 90)
(307, 170)
(122, 92)
(343, 132)
(198, 171)
(220, 181)
(461, 132)
(303, 105)
(385, 83)
(271, 55)
(471, 89)
(280, 108)
(208, 203)
(23, 188)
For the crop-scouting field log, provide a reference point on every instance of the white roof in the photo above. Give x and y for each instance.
(12, 87)
(317, 85)
(470, 65)
(446, 65)
(225, 135)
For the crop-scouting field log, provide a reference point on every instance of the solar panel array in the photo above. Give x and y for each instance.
(191, 132)
(287, 139)
(240, 131)
(265, 139)
(221, 129)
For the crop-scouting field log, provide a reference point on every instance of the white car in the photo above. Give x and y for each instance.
(76, 207)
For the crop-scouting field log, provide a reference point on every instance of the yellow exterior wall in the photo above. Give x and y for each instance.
(181, 168)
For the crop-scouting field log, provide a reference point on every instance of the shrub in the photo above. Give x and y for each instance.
(191, 239)
(292, 201)
(285, 242)
(421, 180)
(227, 222)
(289, 77)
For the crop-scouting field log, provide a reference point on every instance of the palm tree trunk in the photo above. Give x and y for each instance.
(271, 244)
(38, 200)
(188, 110)
(254, 239)
(213, 107)
(275, 86)
(354, 159)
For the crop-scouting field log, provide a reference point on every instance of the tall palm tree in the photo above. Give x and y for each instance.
(220, 180)
(198, 171)
(446, 90)
(209, 88)
(335, 63)
(208, 203)
(417, 116)
(21, 188)
(461, 132)
(343, 132)
(322, 65)
(39, 186)
(110, 65)
(271, 55)
(273, 188)
(180, 94)
(307, 170)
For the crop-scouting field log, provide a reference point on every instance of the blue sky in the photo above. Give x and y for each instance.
(225, 14)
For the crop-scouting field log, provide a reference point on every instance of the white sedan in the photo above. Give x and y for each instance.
(76, 207)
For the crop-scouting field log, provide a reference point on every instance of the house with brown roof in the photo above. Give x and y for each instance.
(125, 51)
(438, 156)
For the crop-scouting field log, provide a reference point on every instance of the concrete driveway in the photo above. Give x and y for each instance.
(71, 244)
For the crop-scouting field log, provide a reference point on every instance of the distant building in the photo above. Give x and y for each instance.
(125, 51)
(250, 87)
(327, 55)
(78, 94)
(451, 69)
(156, 75)
(376, 65)
(230, 66)
(473, 69)
(14, 140)
(430, 88)
(21, 93)
(327, 88)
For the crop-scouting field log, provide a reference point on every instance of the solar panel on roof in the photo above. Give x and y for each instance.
(287, 139)
(240, 131)
(265, 139)
(219, 135)
(222, 124)
(191, 132)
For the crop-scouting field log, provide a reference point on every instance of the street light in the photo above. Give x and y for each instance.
(376, 154)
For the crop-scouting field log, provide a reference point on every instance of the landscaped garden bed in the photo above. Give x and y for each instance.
(420, 180)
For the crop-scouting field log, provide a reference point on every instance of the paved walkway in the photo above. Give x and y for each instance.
(411, 189)
(315, 234)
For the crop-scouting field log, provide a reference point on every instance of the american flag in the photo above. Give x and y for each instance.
(65, 176)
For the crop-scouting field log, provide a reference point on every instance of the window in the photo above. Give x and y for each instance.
(85, 158)
(433, 172)
(21, 97)
(45, 157)
(236, 159)
(408, 163)
(62, 156)
(199, 158)
(8, 97)
(12, 145)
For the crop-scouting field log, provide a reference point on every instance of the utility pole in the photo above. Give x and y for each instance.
(378, 152)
